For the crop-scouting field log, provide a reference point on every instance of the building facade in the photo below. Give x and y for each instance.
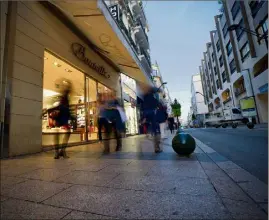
(198, 106)
(234, 66)
(43, 44)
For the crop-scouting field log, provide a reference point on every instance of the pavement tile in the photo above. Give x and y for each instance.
(209, 166)
(34, 190)
(85, 215)
(225, 186)
(9, 181)
(216, 157)
(244, 210)
(240, 175)
(137, 204)
(180, 185)
(46, 174)
(228, 165)
(91, 178)
(256, 189)
(17, 209)
(91, 166)
(16, 170)
(187, 169)
(202, 157)
(126, 168)
(116, 161)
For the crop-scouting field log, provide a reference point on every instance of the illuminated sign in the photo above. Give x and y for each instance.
(248, 107)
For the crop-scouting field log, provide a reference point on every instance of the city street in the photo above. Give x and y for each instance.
(132, 184)
(246, 148)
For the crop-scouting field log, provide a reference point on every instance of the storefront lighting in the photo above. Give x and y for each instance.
(45, 58)
(68, 70)
(48, 93)
(56, 64)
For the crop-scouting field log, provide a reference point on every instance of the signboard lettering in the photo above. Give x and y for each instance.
(114, 9)
(79, 52)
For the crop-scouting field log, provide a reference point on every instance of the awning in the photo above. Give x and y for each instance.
(260, 66)
(93, 19)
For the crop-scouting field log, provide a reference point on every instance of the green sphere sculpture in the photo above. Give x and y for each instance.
(183, 144)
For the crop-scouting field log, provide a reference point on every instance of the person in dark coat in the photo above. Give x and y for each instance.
(149, 107)
(171, 124)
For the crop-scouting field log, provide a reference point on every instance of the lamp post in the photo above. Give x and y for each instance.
(164, 83)
(234, 27)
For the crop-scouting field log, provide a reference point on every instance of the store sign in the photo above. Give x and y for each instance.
(114, 9)
(263, 89)
(248, 107)
(79, 52)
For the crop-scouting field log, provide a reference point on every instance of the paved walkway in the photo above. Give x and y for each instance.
(134, 184)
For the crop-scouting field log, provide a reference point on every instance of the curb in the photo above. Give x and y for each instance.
(251, 185)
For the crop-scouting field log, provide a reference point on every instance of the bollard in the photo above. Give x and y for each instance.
(183, 144)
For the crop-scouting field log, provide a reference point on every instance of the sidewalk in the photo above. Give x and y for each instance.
(134, 184)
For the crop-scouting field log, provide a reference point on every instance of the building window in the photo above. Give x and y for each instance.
(263, 29)
(239, 32)
(217, 82)
(218, 46)
(225, 30)
(209, 65)
(235, 9)
(215, 71)
(213, 59)
(255, 7)
(232, 66)
(221, 61)
(223, 75)
(229, 48)
(211, 78)
(245, 52)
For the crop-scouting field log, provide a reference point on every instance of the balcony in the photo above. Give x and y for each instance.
(128, 36)
(145, 60)
(141, 35)
(227, 100)
(138, 12)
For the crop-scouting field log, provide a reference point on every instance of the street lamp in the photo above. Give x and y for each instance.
(164, 83)
(234, 27)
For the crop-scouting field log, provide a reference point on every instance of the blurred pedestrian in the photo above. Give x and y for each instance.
(162, 116)
(116, 117)
(60, 114)
(171, 124)
(149, 107)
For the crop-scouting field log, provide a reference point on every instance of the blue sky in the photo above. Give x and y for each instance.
(179, 31)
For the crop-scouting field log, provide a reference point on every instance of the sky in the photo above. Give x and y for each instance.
(178, 33)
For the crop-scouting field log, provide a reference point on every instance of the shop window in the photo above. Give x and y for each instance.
(221, 61)
(225, 30)
(229, 48)
(232, 66)
(245, 52)
(239, 31)
(223, 75)
(263, 30)
(235, 9)
(255, 6)
(213, 59)
(217, 83)
(218, 46)
(58, 73)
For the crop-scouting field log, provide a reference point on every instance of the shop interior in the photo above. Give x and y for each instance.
(82, 100)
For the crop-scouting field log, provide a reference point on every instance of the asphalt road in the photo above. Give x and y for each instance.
(247, 148)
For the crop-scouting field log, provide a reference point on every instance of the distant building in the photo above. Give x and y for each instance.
(198, 106)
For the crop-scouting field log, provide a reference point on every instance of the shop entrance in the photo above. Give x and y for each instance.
(131, 123)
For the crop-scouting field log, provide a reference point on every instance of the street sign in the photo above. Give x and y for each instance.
(114, 9)
(248, 107)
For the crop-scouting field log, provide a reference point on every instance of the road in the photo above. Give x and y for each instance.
(247, 148)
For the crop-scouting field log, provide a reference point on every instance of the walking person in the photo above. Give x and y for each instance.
(116, 117)
(161, 119)
(171, 124)
(149, 108)
(60, 115)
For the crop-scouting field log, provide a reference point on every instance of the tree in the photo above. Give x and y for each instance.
(176, 109)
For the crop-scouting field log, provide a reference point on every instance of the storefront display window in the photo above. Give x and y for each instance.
(56, 73)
